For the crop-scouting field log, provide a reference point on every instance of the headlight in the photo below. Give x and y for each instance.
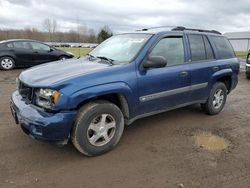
(47, 98)
(70, 53)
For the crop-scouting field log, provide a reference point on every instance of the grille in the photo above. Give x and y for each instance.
(25, 91)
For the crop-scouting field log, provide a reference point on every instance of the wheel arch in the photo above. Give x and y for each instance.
(8, 55)
(116, 98)
(224, 76)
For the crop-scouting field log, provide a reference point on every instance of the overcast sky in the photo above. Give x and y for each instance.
(127, 15)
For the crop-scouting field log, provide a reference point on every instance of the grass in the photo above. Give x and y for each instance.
(241, 53)
(77, 51)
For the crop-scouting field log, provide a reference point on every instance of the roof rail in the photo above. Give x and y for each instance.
(180, 28)
(158, 27)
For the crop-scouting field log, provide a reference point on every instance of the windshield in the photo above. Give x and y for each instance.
(121, 48)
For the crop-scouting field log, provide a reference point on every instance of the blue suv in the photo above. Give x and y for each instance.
(127, 77)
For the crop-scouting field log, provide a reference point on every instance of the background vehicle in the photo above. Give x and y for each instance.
(128, 76)
(248, 66)
(26, 53)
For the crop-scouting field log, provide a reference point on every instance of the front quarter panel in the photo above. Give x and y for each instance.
(111, 88)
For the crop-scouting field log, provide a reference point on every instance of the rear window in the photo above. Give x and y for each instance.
(10, 45)
(223, 47)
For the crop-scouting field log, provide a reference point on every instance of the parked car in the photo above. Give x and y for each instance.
(248, 66)
(26, 53)
(127, 77)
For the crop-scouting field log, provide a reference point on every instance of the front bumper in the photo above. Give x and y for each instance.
(41, 125)
(248, 69)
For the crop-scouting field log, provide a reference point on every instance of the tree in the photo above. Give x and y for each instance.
(104, 34)
(51, 27)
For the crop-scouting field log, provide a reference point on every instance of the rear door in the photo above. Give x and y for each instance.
(42, 53)
(161, 88)
(202, 66)
(22, 51)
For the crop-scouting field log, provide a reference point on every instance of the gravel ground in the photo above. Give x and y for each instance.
(157, 151)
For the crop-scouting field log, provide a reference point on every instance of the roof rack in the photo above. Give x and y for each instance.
(158, 27)
(180, 28)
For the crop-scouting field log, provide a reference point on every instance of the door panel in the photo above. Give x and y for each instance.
(202, 66)
(161, 88)
(22, 51)
(42, 53)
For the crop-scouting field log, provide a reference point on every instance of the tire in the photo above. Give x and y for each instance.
(7, 63)
(62, 58)
(216, 100)
(98, 128)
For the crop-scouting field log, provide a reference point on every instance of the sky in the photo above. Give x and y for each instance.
(127, 15)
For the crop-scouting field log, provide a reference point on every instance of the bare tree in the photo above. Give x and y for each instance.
(51, 27)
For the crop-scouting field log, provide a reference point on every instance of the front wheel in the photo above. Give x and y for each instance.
(98, 128)
(216, 99)
(7, 63)
(62, 58)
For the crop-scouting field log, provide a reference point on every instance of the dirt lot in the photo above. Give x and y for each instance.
(157, 151)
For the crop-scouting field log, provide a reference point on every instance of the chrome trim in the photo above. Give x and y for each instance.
(248, 65)
(172, 92)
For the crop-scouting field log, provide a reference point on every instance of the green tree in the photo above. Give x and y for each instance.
(104, 33)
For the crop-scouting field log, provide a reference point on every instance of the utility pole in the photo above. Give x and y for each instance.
(78, 35)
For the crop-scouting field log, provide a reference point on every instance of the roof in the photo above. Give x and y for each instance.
(238, 35)
(13, 40)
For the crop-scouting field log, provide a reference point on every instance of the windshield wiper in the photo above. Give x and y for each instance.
(106, 59)
(91, 56)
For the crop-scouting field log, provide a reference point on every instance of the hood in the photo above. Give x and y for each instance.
(59, 71)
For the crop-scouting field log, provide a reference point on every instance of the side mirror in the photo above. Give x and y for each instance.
(155, 62)
(51, 50)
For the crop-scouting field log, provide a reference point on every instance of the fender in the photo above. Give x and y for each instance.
(6, 54)
(121, 88)
(222, 73)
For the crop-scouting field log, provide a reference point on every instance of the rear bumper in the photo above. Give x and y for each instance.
(39, 124)
(234, 82)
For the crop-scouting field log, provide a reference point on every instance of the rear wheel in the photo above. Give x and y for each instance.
(98, 128)
(7, 63)
(216, 100)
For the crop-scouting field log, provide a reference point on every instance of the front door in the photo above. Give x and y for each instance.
(42, 53)
(167, 87)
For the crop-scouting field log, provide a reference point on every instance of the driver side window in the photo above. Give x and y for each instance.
(171, 49)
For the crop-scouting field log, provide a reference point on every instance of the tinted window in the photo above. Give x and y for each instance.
(197, 47)
(208, 48)
(19, 45)
(224, 48)
(170, 48)
(10, 45)
(39, 46)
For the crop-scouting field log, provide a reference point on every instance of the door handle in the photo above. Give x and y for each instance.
(36, 52)
(215, 69)
(183, 73)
